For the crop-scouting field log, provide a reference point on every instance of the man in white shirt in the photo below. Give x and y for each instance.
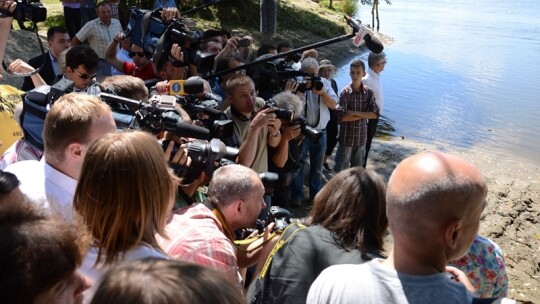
(74, 122)
(99, 33)
(376, 64)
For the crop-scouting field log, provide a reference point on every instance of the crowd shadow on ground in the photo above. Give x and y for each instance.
(383, 158)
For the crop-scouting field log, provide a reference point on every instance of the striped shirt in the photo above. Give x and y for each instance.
(354, 133)
(99, 35)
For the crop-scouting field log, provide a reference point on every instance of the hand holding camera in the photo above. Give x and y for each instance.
(263, 118)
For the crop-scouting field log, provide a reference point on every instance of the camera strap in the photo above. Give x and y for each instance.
(319, 108)
(43, 53)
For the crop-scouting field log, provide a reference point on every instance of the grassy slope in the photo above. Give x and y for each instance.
(303, 22)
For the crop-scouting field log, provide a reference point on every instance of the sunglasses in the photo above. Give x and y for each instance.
(85, 76)
(133, 54)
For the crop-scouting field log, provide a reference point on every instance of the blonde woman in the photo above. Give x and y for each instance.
(124, 197)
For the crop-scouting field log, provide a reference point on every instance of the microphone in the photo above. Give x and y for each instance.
(362, 34)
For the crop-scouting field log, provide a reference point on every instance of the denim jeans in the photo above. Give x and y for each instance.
(349, 156)
(316, 154)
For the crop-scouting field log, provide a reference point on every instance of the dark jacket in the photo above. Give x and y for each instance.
(47, 72)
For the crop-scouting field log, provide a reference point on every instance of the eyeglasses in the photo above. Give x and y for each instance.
(133, 54)
(84, 76)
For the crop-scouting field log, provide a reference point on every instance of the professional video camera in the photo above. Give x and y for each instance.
(31, 10)
(206, 156)
(270, 77)
(159, 115)
(205, 108)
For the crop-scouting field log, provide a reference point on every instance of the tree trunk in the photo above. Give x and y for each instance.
(268, 18)
(373, 15)
(330, 5)
(377, 13)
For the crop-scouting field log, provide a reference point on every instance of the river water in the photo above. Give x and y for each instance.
(463, 73)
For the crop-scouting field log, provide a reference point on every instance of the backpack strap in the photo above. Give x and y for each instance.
(287, 234)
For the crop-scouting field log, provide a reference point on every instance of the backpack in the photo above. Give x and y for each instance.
(36, 105)
(145, 28)
(256, 289)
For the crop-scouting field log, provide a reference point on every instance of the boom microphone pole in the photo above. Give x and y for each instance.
(307, 47)
(372, 43)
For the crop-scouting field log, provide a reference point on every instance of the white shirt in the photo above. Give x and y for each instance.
(95, 274)
(317, 113)
(371, 80)
(99, 35)
(46, 186)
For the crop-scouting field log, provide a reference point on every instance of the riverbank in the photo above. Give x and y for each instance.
(511, 217)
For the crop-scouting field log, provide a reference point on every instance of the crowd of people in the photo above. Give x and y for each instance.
(97, 215)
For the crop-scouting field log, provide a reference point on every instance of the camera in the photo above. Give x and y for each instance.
(283, 114)
(31, 10)
(206, 156)
(280, 216)
(309, 132)
(310, 83)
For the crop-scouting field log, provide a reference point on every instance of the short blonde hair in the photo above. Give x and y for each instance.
(70, 120)
(125, 193)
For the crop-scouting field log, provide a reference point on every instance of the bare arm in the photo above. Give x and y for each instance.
(110, 52)
(75, 41)
(19, 66)
(328, 100)
(357, 115)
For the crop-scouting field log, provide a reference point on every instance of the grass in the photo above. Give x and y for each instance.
(291, 14)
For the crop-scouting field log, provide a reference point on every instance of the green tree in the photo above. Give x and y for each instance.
(374, 10)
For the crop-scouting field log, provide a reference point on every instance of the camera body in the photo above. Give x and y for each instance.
(309, 132)
(30, 10)
(310, 83)
(283, 114)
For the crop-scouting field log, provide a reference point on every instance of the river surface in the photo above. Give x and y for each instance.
(463, 73)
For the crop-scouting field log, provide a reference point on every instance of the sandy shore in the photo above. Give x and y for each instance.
(512, 216)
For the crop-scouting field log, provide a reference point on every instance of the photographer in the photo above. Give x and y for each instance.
(204, 233)
(171, 65)
(318, 103)
(142, 63)
(283, 158)
(254, 129)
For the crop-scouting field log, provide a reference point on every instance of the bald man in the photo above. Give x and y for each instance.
(434, 202)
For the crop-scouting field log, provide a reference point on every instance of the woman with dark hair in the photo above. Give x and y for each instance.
(346, 226)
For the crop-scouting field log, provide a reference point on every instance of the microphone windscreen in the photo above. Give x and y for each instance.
(373, 44)
(193, 86)
(188, 130)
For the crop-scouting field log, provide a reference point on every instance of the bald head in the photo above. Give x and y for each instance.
(429, 190)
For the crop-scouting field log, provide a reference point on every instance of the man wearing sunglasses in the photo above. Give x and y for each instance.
(81, 65)
(141, 66)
